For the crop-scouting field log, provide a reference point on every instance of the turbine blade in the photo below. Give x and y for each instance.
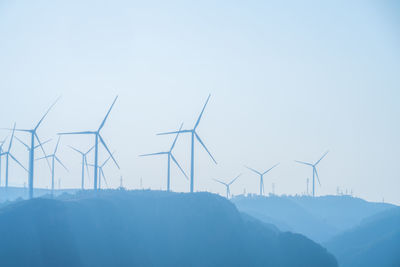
(104, 177)
(19, 140)
(108, 113)
(316, 173)
(305, 163)
(58, 142)
(153, 154)
(201, 142)
(218, 181)
(251, 169)
(73, 148)
(62, 164)
(321, 158)
(105, 146)
(84, 132)
(49, 156)
(201, 114)
(234, 179)
(105, 162)
(45, 142)
(177, 164)
(175, 132)
(89, 150)
(86, 163)
(176, 138)
(19, 163)
(37, 125)
(2, 144)
(270, 168)
(17, 130)
(11, 139)
(44, 152)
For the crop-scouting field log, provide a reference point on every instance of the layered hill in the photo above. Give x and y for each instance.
(319, 218)
(146, 228)
(375, 242)
(12, 193)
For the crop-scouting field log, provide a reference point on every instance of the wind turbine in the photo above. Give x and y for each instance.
(34, 136)
(54, 158)
(261, 177)
(97, 137)
(84, 163)
(8, 154)
(228, 191)
(101, 172)
(194, 135)
(315, 173)
(170, 156)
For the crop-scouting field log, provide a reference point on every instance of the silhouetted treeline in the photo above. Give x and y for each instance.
(146, 228)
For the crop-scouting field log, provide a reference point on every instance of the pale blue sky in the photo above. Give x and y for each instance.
(289, 80)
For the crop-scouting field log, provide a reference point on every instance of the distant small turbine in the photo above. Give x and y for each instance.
(315, 173)
(84, 163)
(101, 172)
(8, 154)
(262, 177)
(170, 156)
(54, 158)
(194, 135)
(121, 185)
(97, 137)
(227, 185)
(31, 148)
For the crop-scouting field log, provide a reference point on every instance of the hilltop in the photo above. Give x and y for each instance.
(146, 228)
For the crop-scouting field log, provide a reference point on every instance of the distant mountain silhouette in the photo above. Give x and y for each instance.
(12, 193)
(319, 218)
(375, 242)
(146, 228)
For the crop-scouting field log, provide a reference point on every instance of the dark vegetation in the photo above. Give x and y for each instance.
(146, 228)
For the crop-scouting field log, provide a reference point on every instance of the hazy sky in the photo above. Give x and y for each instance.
(289, 80)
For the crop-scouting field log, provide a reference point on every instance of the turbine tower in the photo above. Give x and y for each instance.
(97, 137)
(194, 135)
(101, 172)
(315, 173)
(84, 163)
(227, 185)
(8, 155)
(170, 156)
(54, 158)
(1, 151)
(31, 148)
(262, 177)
